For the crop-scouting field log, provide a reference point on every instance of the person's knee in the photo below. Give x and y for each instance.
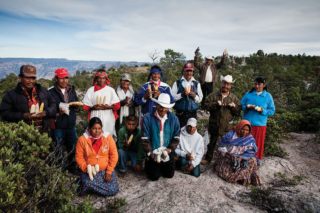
(196, 174)
(169, 174)
(121, 153)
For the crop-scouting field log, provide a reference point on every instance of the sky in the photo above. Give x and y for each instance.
(104, 30)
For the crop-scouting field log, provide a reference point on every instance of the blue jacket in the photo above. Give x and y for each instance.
(64, 121)
(186, 103)
(149, 105)
(150, 133)
(263, 100)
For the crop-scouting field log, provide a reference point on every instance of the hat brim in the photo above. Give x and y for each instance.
(29, 75)
(125, 79)
(165, 105)
(188, 69)
(208, 58)
(231, 82)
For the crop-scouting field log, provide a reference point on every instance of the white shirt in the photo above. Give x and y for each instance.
(208, 75)
(258, 93)
(188, 143)
(63, 91)
(177, 96)
(163, 120)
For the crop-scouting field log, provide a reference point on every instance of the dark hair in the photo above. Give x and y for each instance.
(131, 118)
(156, 67)
(101, 70)
(260, 80)
(93, 121)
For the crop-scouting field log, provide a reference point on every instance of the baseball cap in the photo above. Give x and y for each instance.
(125, 77)
(188, 66)
(61, 73)
(28, 71)
(192, 122)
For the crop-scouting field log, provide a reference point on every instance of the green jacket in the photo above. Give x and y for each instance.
(135, 146)
(221, 118)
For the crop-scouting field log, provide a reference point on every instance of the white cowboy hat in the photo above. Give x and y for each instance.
(227, 78)
(163, 100)
(209, 57)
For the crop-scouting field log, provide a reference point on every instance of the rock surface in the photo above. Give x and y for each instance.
(209, 193)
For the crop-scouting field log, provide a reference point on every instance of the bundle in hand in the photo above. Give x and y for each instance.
(76, 103)
(36, 109)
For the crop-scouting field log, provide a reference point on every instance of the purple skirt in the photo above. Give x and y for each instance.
(98, 186)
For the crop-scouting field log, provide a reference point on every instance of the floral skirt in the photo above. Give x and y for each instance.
(98, 186)
(246, 176)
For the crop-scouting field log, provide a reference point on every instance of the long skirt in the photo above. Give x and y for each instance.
(259, 133)
(246, 176)
(98, 186)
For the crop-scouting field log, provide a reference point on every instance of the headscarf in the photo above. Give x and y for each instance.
(237, 128)
(158, 71)
(100, 73)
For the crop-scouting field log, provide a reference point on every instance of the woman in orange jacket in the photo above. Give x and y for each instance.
(96, 155)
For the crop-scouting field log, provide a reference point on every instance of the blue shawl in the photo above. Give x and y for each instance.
(227, 140)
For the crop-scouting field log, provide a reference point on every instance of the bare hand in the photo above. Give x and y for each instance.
(249, 108)
(225, 53)
(184, 93)
(106, 106)
(197, 54)
(96, 107)
(188, 156)
(28, 116)
(147, 95)
(168, 151)
(137, 168)
(190, 167)
(151, 156)
(192, 95)
(157, 93)
(107, 178)
(40, 115)
(125, 143)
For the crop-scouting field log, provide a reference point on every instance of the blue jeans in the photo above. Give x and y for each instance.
(68, 138)
(184, 162)
(125, 156)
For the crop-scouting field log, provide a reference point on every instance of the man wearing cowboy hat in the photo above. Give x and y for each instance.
(224, 106)
(160, 136)
(208, 74)
(127, 95)
(187, 94)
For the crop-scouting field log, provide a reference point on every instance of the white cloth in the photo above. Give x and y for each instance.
(63, 91)
(159, 152)
(106, 116)
(177, 96)
(163, 120)
(208, 77)
(259, 93)
(124, 111)
(188, 143)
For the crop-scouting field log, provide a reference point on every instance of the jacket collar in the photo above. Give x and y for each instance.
(263, 94)
(19, 90)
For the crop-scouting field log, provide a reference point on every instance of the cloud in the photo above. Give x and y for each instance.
(127, 30)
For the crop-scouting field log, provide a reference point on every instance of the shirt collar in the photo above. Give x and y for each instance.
(165, 117)
(191, 79)
(262, 94)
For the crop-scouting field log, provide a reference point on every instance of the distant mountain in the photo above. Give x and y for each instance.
(47, 66)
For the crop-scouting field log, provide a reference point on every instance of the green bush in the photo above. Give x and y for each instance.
(31, 178)
(274, 135)
(81, 127)
(84, 207)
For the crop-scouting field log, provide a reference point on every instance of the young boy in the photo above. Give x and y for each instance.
(130, 151)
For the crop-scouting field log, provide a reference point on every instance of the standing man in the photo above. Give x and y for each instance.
(17, 103)
(208, 75)
(63, 126)
(146, 96)
(223, 106)
(187, 94)
(127, 95)
(160, 136)
(107, 110)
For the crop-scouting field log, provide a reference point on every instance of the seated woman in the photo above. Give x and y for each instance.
(96, 155)
(237, 161)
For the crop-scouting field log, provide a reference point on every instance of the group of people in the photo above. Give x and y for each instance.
(126, 125)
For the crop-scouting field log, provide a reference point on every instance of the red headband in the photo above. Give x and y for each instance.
(100, 73)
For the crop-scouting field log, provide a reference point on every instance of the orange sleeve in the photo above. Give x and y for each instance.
(81, 161)
(113, 155)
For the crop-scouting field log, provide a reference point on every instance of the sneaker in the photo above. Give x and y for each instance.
(204, 162)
